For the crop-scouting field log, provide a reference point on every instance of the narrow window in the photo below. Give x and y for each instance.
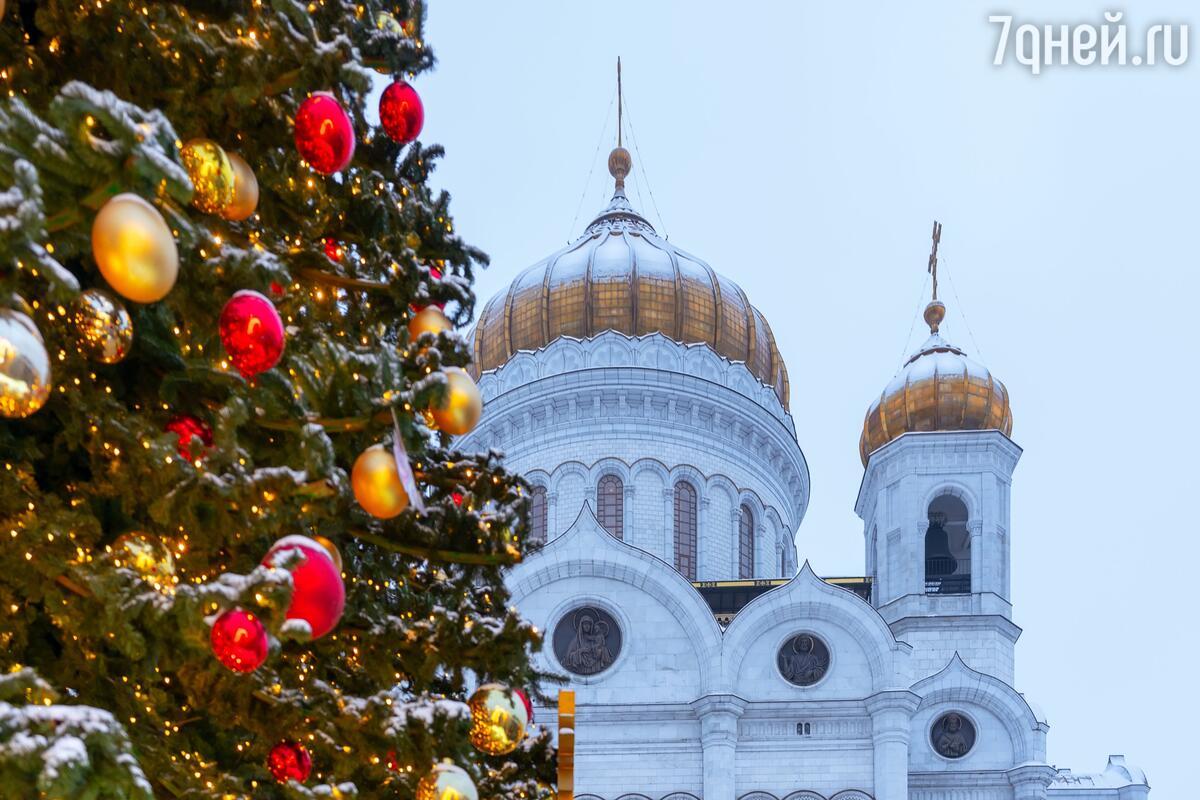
(745, 543)
(610, 497)
(537, 517)
(685, 529)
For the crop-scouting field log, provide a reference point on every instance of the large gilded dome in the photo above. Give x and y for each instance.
(938, 389)
(621, 276)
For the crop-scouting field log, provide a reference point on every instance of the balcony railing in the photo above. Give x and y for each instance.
(948, 584)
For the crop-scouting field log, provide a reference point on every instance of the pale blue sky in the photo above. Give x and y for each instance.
(803, 150)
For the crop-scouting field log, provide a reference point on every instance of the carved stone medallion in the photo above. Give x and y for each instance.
(587, 640)
(803, 659)
(952, 735)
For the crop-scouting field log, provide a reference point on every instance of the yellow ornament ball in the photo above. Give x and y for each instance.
(331, 548)
(134, 249)
(376, 483)
(148, 557)
(24, 365)
(211, 173)
(103, 329)
(446, 781)
(245, 190)
(498, 719)
(429, 319)
(461, 405)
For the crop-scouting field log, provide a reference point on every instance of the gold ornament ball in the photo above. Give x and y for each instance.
(245, 190)
(384, 21)
(212, 175)
(24, 365)
(332, 548)
(134, 249)
(446, 781)
(148, 557)
(498, 719)
(376, 483)
(461, 406)
(103, 327)
(429, 319)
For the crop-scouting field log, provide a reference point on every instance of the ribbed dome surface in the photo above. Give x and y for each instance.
(620, 275)
(938, 389)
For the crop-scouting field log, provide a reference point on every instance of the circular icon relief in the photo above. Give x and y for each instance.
(952, 735)
(803, 659)
(587, 640)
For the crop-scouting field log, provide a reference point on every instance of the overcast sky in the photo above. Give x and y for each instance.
(804, 150)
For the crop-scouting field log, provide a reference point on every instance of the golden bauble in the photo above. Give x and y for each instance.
(332, 549)
(446, 781)
(103, 329)
(134, 249)
(429, 319)
(498, 719)
(461, 406)
(212, 175)
(245, 190)
(148, 557)
(376, 483)
(24, 365)
(384, 21)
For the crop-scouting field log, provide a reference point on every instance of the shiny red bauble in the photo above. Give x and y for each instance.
(401, 113)
(187, 428)
(525, 701)
(251, 332)
(333, 249)
(324, 133)
(318, 595)
(289, 760)
(239, 640)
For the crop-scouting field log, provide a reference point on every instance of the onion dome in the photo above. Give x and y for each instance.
(937, 389)
(621, 276)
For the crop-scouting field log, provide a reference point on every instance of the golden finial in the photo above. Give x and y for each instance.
(935, 312)
(620, 163)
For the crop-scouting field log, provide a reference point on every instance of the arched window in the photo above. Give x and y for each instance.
(537, 517)
(745, 542)
(947, 547)
(685, 529)
(610, 499)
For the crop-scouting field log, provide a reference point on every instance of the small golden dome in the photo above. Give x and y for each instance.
(938, 389)
(621, 276)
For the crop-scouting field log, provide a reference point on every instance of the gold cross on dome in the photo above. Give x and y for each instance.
(937, 237)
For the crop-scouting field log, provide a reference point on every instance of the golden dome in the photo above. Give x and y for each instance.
(621, 276)
(938, 389)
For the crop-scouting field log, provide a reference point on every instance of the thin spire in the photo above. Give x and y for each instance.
(620, 163)
(935, 312)
(620, 103)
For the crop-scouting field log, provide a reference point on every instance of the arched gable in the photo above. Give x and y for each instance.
(807, 602)
(958, 687)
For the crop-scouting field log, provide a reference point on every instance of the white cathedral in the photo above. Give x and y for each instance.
(644, 398)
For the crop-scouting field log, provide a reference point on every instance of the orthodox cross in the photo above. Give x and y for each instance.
(619, 103)
(937, 237)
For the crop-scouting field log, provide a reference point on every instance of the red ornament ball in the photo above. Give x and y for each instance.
(525, 701)
(187, 427)
(289, 760)
(252, 332)
(318, 595)
(239, 640)
(401, 112)
(324, 133)
(333, 249)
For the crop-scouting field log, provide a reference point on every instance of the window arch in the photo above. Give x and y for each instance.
(685, 529)
(745, 542)
(947, 547)
(610, 502)
(537, 516)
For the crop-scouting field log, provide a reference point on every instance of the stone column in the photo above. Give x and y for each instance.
(668, 552)
(981, 575)
(718, 715)
(552, 517)
(705, 541)
(627, 511)
(891, 715)
(1029, 781)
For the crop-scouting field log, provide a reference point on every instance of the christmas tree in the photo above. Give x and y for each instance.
(240, 555)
